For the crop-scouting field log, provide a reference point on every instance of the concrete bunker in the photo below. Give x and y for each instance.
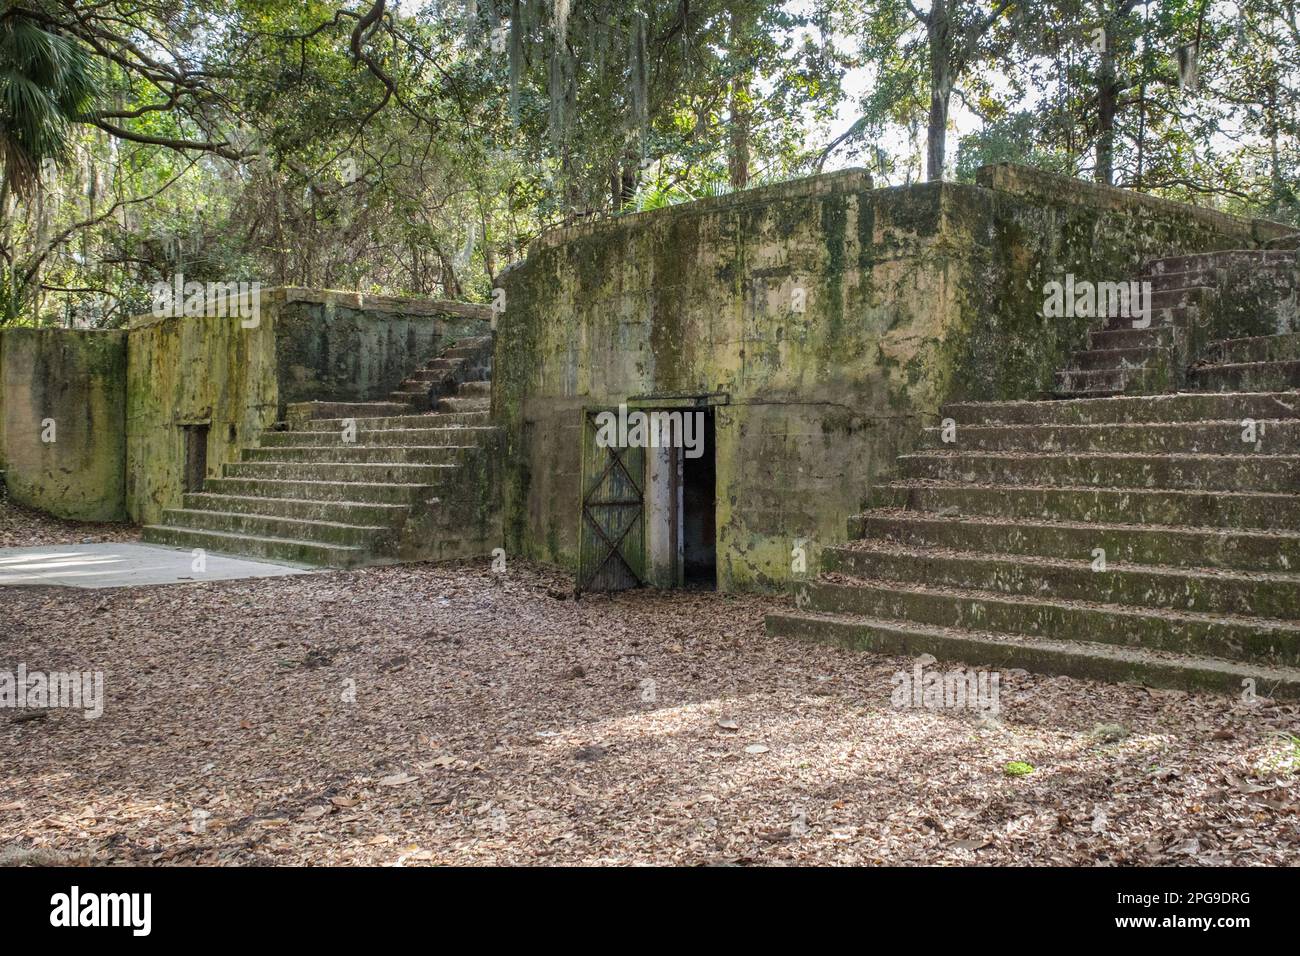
(831, 321)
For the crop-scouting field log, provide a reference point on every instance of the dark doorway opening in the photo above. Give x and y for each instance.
(196, 457)
(699, 505)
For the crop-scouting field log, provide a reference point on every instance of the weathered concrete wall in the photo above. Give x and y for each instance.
(70, 386)
(1021, 228)
(194, 371)
(348, 347)
(305, 346)
(911, 296)
(1254, 300)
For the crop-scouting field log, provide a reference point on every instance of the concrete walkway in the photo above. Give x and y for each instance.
(124, 565)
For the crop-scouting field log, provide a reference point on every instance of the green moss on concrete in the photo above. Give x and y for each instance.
(914, 296)
(307, 346)
(351, 348)
(76, 380)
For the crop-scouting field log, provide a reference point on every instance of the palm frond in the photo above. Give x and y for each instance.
(47, 82)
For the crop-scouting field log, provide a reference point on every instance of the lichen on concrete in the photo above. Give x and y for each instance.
(62, 415)
(835, 319)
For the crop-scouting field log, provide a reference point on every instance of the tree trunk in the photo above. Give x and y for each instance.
(738, 158)
(630, 180)
(938, 27)
(738, 108)
(936, 143)
(1278, 186)
(1106, 88)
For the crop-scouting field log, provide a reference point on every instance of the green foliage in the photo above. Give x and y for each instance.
(1011, 139)
(10, 297)
(46, 82)
(299, 142)
(1018, 768)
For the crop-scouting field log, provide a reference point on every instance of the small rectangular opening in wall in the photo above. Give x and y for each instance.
(196, 457)
(681, 503)
(699, 484)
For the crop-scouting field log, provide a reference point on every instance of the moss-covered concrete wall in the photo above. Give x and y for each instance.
(62, 418)
(1021, 228)
(349, 347)
(194, 371)
(835, 318)
(305, 346)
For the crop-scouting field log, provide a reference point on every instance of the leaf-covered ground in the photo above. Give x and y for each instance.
(447, 714)
(22, 527)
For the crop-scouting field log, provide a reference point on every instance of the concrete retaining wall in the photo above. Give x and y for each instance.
(62, 418)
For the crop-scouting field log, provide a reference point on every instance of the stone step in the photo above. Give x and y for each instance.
(307, 495)
(1250, 594)
(1270, 642)
(428, 377)
(1179, 407)
(452, 404)
(1162, 336)
(1098, 392)
(416, 401)
(1188, 279)
(1172, 298)
(299, 413)
(368, 472)
(1272, 473)
(342, 453)
(1262, 348)
(392, 493)
(1204, 261)
(1130, 381)
(1271, 436)
(480, 389)
(1241, 550)
(419, 395)
(1164, 506)
(468, 352)
(1119, 358)
(426, 420)
(1178, 317)
(1246, 376)
(1069, 658)
(371, 513)
(303, 553)
(275, 526)
(370, 437)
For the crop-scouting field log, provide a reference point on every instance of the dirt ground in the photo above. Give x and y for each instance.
(448, 714)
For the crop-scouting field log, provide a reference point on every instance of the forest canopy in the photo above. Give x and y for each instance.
(416, 148)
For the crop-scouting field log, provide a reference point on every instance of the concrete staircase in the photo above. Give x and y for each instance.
(346, 484)
(457, 380)
(1122, 358)
(1249, 364)
(988, 549)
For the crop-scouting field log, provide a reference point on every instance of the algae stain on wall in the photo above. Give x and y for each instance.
(912, 297)
(62, 415)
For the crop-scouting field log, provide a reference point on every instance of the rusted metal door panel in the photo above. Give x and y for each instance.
(611, 533)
